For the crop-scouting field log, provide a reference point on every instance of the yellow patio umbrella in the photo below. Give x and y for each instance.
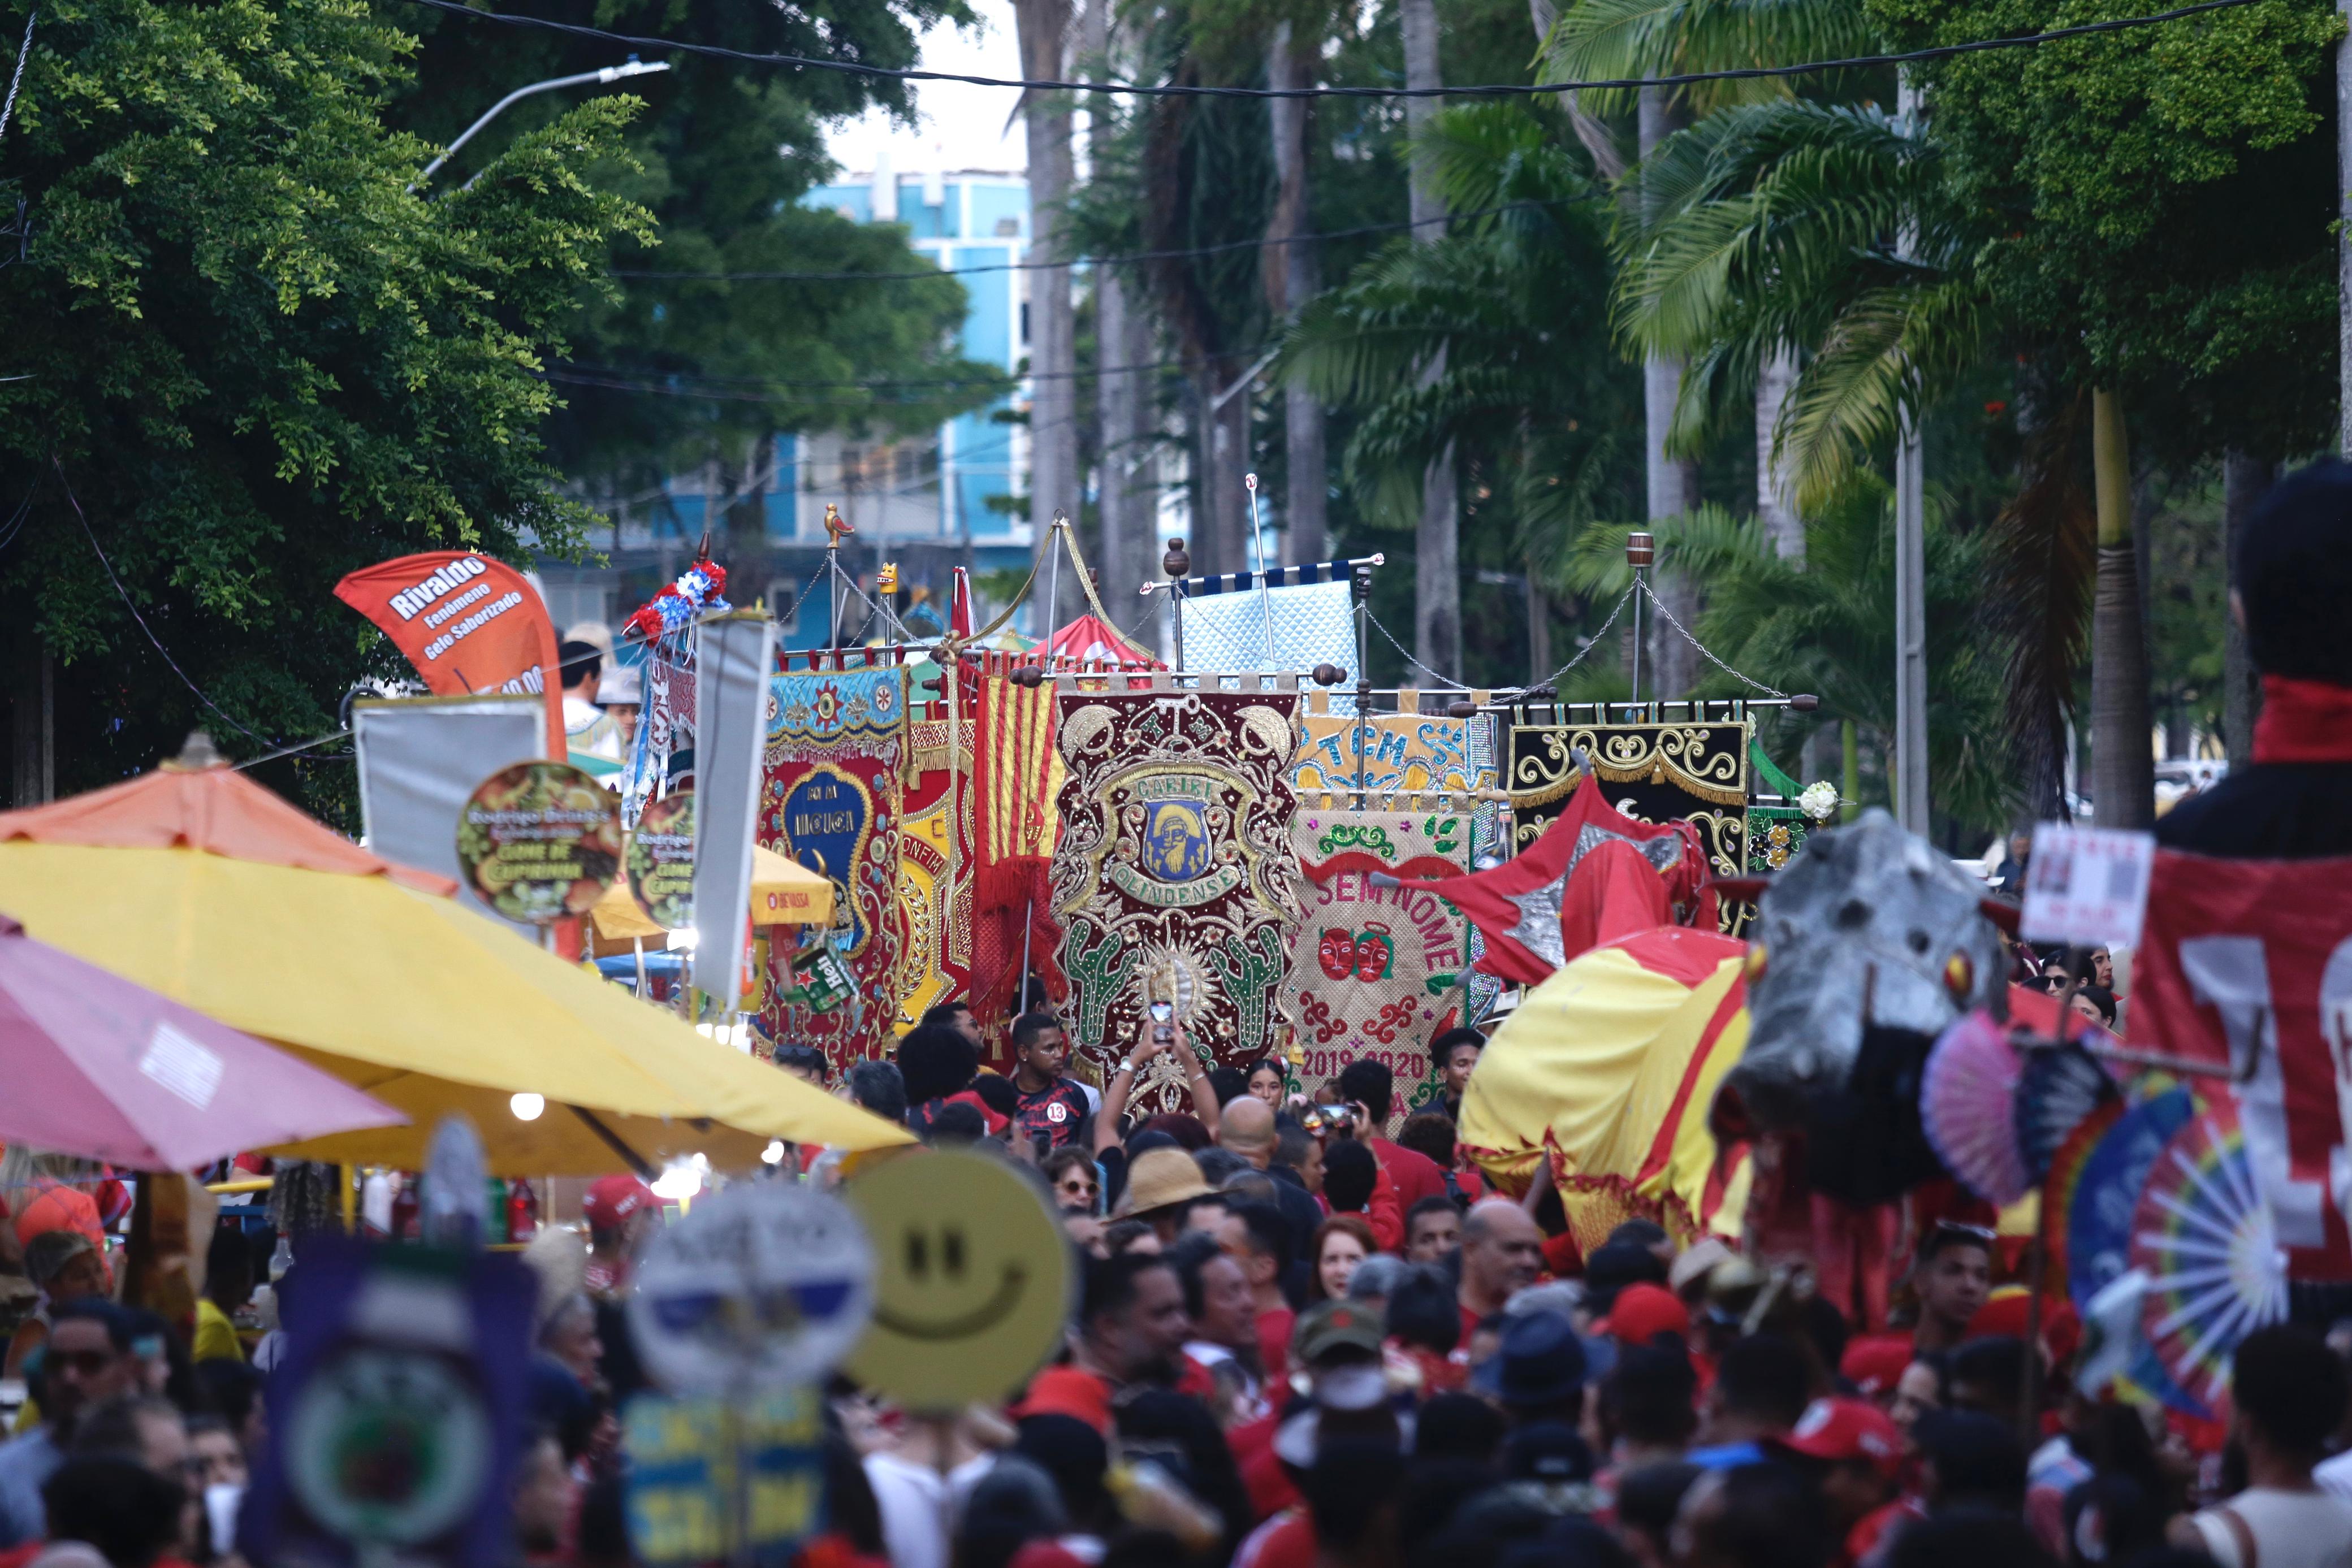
(198, 883)
(783, 893)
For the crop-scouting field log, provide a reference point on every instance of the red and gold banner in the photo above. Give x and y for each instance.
(468, 624)
(830, 799)
(1174, 874)
(1016, 776)
(934, 840)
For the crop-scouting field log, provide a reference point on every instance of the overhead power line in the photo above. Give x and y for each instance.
(1503, 90)
(1119, 260)
(692, 384)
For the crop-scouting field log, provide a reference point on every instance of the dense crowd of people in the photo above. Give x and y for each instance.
(1300, 1342)
(1310, 1334)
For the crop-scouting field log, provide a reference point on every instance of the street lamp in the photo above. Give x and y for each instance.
(634, 68)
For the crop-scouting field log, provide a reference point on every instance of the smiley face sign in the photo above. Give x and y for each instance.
(971, 1280)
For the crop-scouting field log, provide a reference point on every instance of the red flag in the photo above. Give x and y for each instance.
(959, 603)
(1524, 907)
(2248, 964)
(467, 622)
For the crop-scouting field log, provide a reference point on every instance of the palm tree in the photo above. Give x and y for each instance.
(1619, 39)
(1777, 225)
(1437, 583)
(1508, 313)
(1043, 27)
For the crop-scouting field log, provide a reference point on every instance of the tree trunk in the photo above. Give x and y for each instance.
(1538, 632)
(1044, 27)
(2122, 765)
(2245, 481)
(1294, 275)
(1673, 482)
(1123, 551)
(1776, 488)
(1437, 574)
(32, 721)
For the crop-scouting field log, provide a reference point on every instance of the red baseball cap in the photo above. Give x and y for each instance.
(993, 1120)
(1068, 1391)
(1836, 1429)
(1875, 1363)
(612, 1200)
(1643, 1312)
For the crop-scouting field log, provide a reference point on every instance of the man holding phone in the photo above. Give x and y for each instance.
(1055, 1111)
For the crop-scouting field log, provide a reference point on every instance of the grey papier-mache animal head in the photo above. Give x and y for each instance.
(1867, 927)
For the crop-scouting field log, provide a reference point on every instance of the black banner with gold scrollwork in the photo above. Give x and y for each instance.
(1652, 772)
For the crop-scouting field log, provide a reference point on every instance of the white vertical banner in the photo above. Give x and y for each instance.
(734, 656)
(421, 759)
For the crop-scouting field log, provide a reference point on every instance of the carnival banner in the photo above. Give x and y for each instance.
(1174, 876)
(830, 799)
(733, 654)
(1377, 968)
(2247, 965)
(468, 623)
(1411, 751)
(1016, 775)
(934, 838)
(1400, 751)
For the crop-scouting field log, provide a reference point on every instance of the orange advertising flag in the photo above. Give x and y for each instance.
(467, 622)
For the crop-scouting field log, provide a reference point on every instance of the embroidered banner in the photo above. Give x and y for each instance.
(1174, 872)
(1377, 971)
(1401, 751)
(832, 799)
(935, 832)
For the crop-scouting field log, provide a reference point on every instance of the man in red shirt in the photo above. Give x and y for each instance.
(1370, 1086)
(1502, 1252)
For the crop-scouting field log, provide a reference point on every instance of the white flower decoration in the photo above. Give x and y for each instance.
(1820, 800)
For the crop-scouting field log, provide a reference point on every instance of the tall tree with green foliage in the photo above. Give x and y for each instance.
(699, 372)
(242, 361)
(2155, 209)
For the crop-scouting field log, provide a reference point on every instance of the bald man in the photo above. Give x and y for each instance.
(1502, 1252)
(1245, 1127)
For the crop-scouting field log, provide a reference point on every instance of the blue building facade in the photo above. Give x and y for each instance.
(928, 503)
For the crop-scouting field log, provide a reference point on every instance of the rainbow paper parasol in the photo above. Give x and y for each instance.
(2205, 1239)
(1968, 1106)
(2058, 1086)
(2104, 1196)
(2064, 1179)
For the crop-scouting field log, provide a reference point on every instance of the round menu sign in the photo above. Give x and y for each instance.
(762, 1284)
(661, 861)
(539, 841)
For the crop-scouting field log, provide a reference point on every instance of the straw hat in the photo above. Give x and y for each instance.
(1162, 1178)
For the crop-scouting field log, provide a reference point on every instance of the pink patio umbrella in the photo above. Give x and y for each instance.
(100, 1067)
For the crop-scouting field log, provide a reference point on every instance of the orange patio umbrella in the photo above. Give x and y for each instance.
(199, 883)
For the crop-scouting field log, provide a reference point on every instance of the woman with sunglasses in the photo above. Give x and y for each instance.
(1070, 1171)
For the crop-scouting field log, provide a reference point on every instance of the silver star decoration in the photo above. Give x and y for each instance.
(1537, 929)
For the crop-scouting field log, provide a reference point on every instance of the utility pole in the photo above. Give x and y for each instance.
(1910, 780)
(2344, 234)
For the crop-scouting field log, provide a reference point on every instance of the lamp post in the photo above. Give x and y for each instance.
(633, 67)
